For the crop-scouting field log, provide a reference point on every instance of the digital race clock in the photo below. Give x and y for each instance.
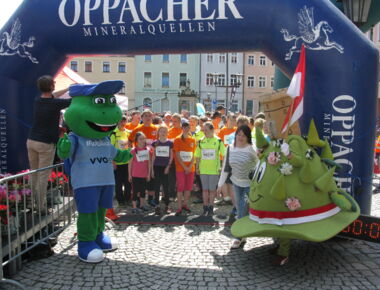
(363, 228)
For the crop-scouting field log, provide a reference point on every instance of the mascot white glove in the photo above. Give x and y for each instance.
(285, 149)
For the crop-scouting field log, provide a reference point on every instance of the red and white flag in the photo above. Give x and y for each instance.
(296, 92)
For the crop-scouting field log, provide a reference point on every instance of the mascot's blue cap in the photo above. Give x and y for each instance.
(103, 88)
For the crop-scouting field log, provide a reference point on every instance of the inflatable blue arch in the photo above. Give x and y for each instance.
(342, 65)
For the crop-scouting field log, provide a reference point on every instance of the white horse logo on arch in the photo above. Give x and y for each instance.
(10, 44)
(314, 37)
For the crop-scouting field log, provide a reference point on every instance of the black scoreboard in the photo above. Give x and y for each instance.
(365, 227)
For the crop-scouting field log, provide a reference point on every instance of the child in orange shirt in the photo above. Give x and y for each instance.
(184, 148)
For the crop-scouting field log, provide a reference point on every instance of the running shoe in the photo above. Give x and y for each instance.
(178, 212)
(157, 210)
(145, 208)
(136, 210)
(111, 214)
(210, 210)
(167, 210)
(186, 208)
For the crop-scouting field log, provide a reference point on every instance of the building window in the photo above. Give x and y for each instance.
(165, 80)
(233, 80)
(183, 58)
(209, 79)
(222, 58)
(262, 82)
(148, 58)
(251, 82)
(147, 79)
(249, 108)
(74, 65)
(106, 67)
(234, 57)
(234, 106)
(263, 60)
(251, 60)
(165, 58)
(182, 79)
(122, 67)
(88, 66)
(210, 57)
(220, 102)
(222, 79)
(271, 82)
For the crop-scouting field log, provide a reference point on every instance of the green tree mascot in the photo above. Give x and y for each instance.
(294, 195)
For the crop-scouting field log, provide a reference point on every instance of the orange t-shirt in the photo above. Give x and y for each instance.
(131, 127)
(174, 133)
(225, 132)
(186, 149)
(150, 133)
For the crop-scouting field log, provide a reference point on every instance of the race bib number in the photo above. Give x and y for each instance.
(142, 155)
(229, 139)
(208, 154)
(186, 156)
(162, 151)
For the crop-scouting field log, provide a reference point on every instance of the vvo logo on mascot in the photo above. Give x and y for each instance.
(92, 116)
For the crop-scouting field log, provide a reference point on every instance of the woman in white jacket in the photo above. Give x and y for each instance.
(239, 161)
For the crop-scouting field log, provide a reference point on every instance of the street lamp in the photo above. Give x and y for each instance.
(357, 10)
(207, 102)
(216, 83)
(236, 81)
(216, 80)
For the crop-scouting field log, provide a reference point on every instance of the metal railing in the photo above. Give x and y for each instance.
(25, 221)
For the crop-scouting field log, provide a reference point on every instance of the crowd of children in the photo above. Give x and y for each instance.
(174, 153)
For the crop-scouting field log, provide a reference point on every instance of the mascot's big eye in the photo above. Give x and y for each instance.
(100, 100)
(113, 100)
(255, 170)
(261, 172)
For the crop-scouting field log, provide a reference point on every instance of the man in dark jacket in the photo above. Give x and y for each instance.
(43, 135)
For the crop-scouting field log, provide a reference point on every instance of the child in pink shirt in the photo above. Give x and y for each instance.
(139, 171)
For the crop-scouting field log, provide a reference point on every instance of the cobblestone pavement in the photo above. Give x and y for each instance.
(198, 257)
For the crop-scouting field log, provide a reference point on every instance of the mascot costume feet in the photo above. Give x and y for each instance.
(92, 116)
(294, 195)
